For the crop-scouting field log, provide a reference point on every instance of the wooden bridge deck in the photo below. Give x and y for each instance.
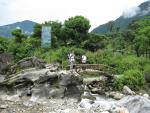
(100, 67)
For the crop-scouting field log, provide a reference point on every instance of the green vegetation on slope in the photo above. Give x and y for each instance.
(122, 22)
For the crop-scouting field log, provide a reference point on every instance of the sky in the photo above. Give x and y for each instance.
(97, 11)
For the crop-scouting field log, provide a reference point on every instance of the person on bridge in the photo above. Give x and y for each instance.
(71, 57)
(83, 59)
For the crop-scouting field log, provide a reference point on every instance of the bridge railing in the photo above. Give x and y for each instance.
(100, 67)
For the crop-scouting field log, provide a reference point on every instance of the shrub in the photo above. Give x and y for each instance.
(99, 57)
(124, 63)
(19, 51)
(59, 55)
(147, 68)
(90, 57)
(147, 72)
(132, 78)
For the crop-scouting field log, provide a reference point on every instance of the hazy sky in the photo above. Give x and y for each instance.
(97, 11)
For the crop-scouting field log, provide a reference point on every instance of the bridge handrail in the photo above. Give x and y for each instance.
(93, 65)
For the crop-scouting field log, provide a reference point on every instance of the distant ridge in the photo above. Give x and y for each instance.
(26, 26)
(122, 22)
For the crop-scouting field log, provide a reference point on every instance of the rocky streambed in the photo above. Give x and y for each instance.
(50, 90)
(101, 104)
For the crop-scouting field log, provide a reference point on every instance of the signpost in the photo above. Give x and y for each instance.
(46, 37)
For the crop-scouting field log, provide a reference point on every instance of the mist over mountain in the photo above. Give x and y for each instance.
(26, 26)
(127, 17)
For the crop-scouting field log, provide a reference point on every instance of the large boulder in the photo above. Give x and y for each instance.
(28, 63)
(5, 61)
(24, 79)
(98, 82)
(44, 83)
(72, 83)
(128, 91)
(119, 109)
(136, 104)
(39, 92)
(99, 86)
(2, 77)
(115, 95)
(68, 78)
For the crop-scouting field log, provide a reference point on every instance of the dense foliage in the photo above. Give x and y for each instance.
(132, 78)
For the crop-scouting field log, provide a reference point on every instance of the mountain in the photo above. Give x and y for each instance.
(26, 26)
(123, 21)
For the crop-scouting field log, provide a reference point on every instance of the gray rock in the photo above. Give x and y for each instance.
(53, 67)
(105, 112)
(2, 77)
(67, 78)
(57, 92)
(97, 90)
(119, 109)
(86, 103)
(5, 61)
(41, 92)
(115, 95)
(38, 62)
(60, 84)
(136, 104)
(146, 95)
(27, 63)
(88, 95)
(3, 68)
(27, 79)
(28, 103)
(3, 106)
(128, 91)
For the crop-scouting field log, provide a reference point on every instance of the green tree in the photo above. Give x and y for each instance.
(110, 26)
(129, 36)
(94, 42)
(75, 30)
(37, 31)
(56, 27)
(141, 39)
(132, 78)
(56, 32)
(19, 50)
(19, 36)
(3, 44)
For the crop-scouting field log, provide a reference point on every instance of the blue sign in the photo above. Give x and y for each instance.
(46, 37)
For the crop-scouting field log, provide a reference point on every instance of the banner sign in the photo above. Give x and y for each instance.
(46, 37)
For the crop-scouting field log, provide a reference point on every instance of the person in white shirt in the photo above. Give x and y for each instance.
(84, 59)
(71, 57)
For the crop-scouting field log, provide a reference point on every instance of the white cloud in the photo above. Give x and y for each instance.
(97, 11)
(131, 12)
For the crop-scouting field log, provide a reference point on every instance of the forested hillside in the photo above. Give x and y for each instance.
(123, 21)
(26, 26)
